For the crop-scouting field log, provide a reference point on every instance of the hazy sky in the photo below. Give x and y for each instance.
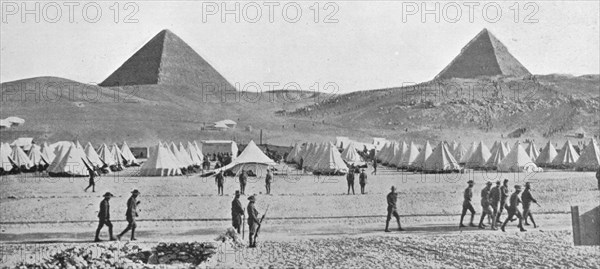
(365, 45)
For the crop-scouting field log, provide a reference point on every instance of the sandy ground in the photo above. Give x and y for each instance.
(311, 221)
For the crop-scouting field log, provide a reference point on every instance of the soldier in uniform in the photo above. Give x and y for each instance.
(467, 206)
(527, 199)
(131, 214)
(350, 180)
(486, 208)
(237, 212)
(513, 209)
(104, 217)
(220, 180)
(243, 179)
(362, 180)
(392, 198)
(495, 203)
(374, 167)
(268, 180)
(92, 182)
(504, 192)
(253, 221)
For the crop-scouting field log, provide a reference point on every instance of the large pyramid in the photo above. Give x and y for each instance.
(484, 55)
(167, 60)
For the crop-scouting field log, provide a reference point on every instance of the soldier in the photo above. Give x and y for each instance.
(131, 214)
(467, 206)
(92, 183)
(243, 179)
(486, 208)
(392, 197)
(350, 181)
(253, 221)
(513, 209)
(268, 180)
(527, 198)
(504, 192)
(220, 180)
(374, 167)
(495, 203)
(237, 212)
(104, 217)
(362, 181)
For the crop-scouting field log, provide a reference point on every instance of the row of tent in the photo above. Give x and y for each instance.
(500, 157)
(323, 158)
(65, 158)
(166, 159)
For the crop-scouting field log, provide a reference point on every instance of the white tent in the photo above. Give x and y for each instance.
(532, 151)
(193, 154)
(465, 157)
(498, 154)
(409, 157)
(36, 157)
(397, 160)
(106, 155)
(547, 155)
(160, 163)
(517, 160)
(479, 157)
(441, 160)
(20, 159)
(351, 156)
(128, 155)
(92, 156)
(5, 153)
(312, 158)
(589, 160)
(294, 155)
(422, 157)
(252, 158)
(567, 156)
(71, 161)
(460, 152)
(48, 153)
(392, 151)
(199, 152)
(330, 162)
(116, 153)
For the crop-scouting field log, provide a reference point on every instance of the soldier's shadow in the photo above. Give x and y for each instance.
(440, 229)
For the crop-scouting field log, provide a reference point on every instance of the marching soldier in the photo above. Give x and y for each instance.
(243, 179)
(92, 182)
(467, 206)
(363, 181)
(237, 212)
(504, 192)
(513, 209)
(527, 198)
(253, 221)
(220, 180)
(495, 203)
(350, 180)
(104, 217)
(486, 208)
(268, 180)
(392, 198)
(131, 214)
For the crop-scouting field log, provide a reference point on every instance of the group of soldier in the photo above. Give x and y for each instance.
(243, 180)
(362, 179)
(130, 215)
(494, 200)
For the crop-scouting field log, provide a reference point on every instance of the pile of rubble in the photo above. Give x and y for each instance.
(232, 238)
(180, 253)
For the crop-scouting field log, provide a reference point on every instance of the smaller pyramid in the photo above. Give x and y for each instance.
(483, 56)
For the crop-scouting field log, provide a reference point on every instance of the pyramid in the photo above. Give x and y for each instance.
(167, 60)
(486, 56)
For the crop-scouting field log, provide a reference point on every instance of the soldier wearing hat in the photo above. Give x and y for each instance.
(237, 212)
(243, 180)
(362, 180)
(268, 181)
(486, 207)
(131, 214)
(513, 209)
(220, 180)
(504, 192)
(253, 221)
(350, 181)
(392, 197)
(495, 203)
(527, 199)
(467, 206)
(104, 217)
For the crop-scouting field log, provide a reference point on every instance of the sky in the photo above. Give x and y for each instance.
(354, 45)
